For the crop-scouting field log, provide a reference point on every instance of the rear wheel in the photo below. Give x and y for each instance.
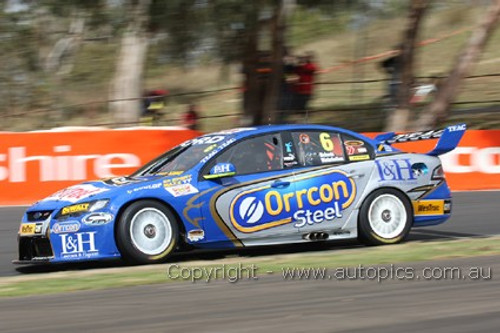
(147, 232)
(385, 217)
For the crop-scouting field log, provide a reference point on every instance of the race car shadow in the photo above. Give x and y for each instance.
(415, 235)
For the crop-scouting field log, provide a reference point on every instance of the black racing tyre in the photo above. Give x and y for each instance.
(385, 217)
(146, 232)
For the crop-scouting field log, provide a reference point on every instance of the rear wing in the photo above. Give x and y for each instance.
(449, 138)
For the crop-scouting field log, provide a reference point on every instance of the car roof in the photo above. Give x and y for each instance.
(240, 133)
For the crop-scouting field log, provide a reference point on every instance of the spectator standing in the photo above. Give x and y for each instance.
(393, 66)
(288, 80)
(191, 116)
(305, 85)
(153, 103)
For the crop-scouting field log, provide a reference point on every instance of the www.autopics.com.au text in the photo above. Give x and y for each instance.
(237, 272)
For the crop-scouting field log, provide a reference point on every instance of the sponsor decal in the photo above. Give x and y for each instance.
(222, 168)
(428, 207)
(447, 206)
(354, 143)
(356, 147)
(315, 200)
(66, 227)
(234, 130)
(217, 150)
(204, 140)
(289, 158)
(120, 181)
(209, 148)
(78, 245)
(76, 193)
(415, 136)
(196, 235)
(181, 190)
(454, 128)
(98, 218)
(385, 148)
(75, 208)
(27, 229)
(177, 181)
(304, 138)
(251, 210)
(329, 157)
(145, 187)
(395, 170)
(332, 149)
(359, 157)
(420, 169)
(352, 150)
(170, 173)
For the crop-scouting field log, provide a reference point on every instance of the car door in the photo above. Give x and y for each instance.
(255, 203)
(332, 177)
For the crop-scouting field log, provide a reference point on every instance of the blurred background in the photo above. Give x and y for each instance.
(214, 64)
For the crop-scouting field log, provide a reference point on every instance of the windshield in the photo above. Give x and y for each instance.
(179, 159)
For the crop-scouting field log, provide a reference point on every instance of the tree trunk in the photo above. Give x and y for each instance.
(126, 86)
(57, 60)
(438, 110)
(399, 117)
(251, 102)
(278, 26)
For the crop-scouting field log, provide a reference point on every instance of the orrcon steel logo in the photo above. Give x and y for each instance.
(311, 200)
(251, 210)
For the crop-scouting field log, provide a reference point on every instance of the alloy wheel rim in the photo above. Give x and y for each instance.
(150, 231)
(387, 216)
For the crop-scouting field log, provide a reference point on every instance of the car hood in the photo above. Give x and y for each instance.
(93, 190)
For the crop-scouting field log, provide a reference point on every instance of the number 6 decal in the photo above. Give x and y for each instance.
(326, 142)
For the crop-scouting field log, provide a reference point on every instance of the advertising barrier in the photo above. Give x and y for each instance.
(34, 165)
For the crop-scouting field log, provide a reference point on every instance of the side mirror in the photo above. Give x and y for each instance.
(221, 170)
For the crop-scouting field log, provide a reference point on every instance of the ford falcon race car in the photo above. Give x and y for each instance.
(247, 187)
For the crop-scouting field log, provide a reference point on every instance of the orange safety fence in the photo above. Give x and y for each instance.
(34, 165)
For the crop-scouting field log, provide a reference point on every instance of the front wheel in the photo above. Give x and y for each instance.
(385, 217)
(146, 232)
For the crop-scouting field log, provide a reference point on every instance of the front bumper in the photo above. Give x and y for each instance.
(35, 249)
(34, 261)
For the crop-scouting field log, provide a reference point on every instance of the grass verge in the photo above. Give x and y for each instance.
(37, 284)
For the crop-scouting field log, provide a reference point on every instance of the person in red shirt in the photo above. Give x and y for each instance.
(190, 117)
(305, 85)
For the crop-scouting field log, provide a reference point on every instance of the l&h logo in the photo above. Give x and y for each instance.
(395, 170)
(79, 243)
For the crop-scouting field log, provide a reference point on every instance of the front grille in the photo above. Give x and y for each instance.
(39, 215)
(34, 247)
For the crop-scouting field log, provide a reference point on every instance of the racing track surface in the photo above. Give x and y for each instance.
(271, 305)
(474, 214)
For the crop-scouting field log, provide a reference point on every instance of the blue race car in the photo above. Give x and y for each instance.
(247, 187)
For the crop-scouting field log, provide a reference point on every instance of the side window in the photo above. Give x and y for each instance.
(318, 148)
(258, 154)
(356, 149)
